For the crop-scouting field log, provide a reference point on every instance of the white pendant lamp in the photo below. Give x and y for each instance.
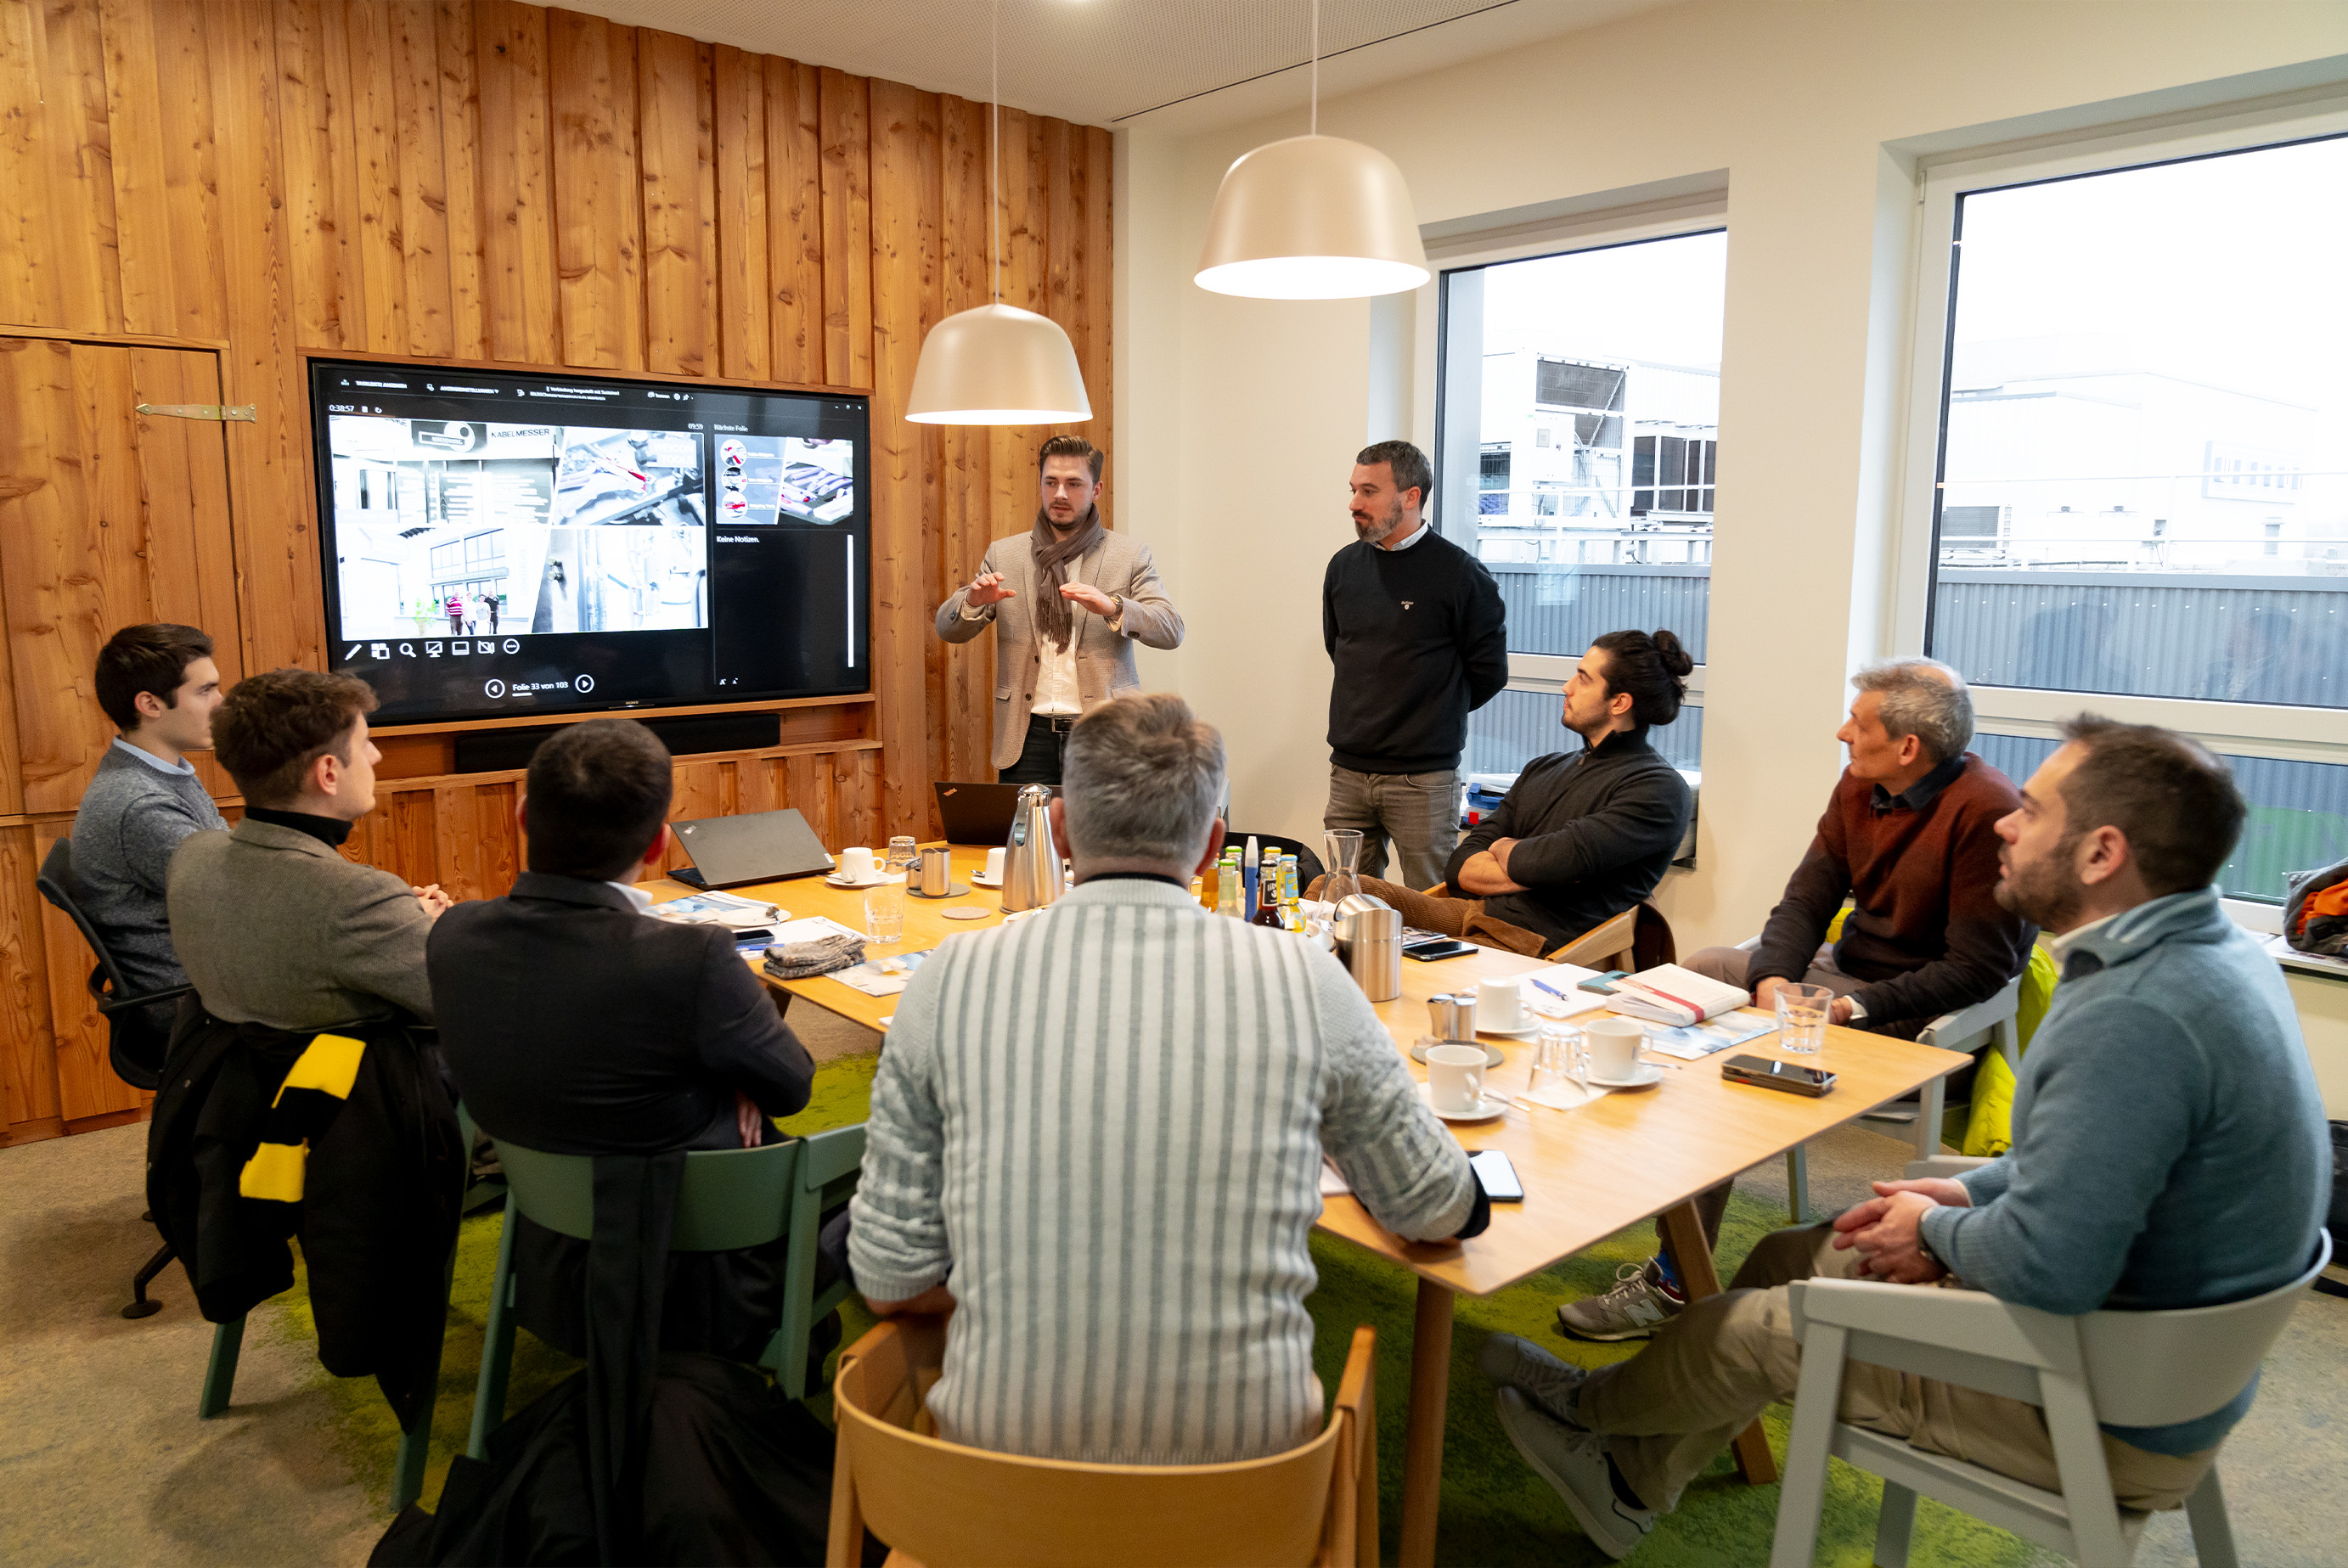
(997, 365)
(1313, 218)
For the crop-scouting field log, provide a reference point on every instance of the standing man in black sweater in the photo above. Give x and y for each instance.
(1415, 626)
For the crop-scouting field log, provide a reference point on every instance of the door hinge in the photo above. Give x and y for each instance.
(216, 412)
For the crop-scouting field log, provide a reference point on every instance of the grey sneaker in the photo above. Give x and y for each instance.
(1639, 1304)
(1520, 1364)
(1573, 1461)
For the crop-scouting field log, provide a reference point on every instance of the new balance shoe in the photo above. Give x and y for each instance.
(1573, 1461)
(1520, 1364)
(1641, 1302)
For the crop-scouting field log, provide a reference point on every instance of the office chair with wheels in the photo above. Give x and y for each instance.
(136, 1039)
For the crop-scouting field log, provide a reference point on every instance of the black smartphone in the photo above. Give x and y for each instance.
(757, 937)
(1429, 952)
(1770, 1074)
(1497, 1176)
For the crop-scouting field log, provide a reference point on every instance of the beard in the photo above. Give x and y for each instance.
(2043, 891)
(1377, 529)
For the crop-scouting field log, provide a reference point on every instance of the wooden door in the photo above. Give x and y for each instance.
(108, 518)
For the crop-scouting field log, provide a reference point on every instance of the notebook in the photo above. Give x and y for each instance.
(1669, 994)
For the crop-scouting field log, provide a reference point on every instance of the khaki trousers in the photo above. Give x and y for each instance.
(1674, 1406)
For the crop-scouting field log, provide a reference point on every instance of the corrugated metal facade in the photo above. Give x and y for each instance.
(1561, 609)
(2298, 821)
(2173, 634)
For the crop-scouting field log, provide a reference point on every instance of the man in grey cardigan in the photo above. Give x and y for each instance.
(159, 684)
(273, 924)
(1097, 1136)
(2169, 1150)
(1068, 600)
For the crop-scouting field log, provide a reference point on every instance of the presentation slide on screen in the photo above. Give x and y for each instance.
(472, 530)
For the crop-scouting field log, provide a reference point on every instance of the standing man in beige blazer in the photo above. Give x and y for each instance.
(272, 923)
(1069, 601)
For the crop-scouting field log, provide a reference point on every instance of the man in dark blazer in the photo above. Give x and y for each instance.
(576, 1023)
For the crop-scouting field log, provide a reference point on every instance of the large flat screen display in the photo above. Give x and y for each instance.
(498, 543)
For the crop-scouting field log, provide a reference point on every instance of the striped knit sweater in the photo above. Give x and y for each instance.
(1107, 1123)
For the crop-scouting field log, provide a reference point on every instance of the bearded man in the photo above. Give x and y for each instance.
(1416, 629)
(1068, 600)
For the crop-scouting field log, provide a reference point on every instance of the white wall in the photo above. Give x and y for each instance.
(1238, 419)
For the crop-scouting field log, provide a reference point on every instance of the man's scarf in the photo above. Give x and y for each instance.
(1053, 554)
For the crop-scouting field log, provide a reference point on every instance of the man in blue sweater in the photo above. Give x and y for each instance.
(2169, 1150)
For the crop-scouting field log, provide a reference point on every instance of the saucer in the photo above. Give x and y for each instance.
(1486, 1108)
(837, 880)
(980, 879)
(1527, 1032)
(1492, 1057)
(1647, 1073)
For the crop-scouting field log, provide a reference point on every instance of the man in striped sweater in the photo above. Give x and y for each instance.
(1096, 1137)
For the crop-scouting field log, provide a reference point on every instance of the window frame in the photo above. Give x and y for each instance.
(1702, 213)
(2244, 729)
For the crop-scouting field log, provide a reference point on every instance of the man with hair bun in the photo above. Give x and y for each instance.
(1068, 600)
(1910, 838)
(1417, 632)
(1582, 835)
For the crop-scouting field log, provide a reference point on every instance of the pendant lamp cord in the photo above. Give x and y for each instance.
(995, 137)
(1315, 122)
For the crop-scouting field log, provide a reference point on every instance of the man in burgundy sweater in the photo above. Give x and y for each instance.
(1909, 837)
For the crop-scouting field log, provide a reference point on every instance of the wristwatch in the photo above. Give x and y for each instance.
(1925, 1248)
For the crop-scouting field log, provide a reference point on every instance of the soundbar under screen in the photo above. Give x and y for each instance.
(498, 543)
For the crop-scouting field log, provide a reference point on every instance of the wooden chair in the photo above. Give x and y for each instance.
(729, 1199)
(2131, 1368)
(941, 1503)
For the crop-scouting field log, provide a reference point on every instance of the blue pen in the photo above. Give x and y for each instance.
(1553, 990)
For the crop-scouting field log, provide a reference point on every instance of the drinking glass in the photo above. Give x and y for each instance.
(1558, 1057)
(903, 854)
(884, 912)
(1802, 1019)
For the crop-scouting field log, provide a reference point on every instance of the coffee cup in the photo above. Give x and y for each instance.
(995, 864)
(1455, 1076)
(1501, 1005)
(856, 865)
(1613, 1046)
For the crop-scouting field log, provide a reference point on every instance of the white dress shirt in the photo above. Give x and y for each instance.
(1055, 684)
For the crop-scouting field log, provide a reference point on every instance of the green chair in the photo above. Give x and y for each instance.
(729, 1199)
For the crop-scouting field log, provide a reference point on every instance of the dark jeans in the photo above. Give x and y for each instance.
(1046, 749)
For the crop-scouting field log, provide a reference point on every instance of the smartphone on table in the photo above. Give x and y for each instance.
(1766, 1073)
(1428, 951)
(1497, 1175)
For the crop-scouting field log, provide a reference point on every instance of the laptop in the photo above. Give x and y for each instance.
(763, 847)
(979, 813)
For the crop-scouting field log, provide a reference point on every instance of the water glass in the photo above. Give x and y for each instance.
(1802, 1019)
(884, 912)
(1557, 1058)
(903, 854)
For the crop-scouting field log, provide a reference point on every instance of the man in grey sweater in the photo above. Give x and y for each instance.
(1108, 1123)
(2169, 1150)
(159, 686)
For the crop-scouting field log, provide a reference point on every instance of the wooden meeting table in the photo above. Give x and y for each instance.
(1634, 1154)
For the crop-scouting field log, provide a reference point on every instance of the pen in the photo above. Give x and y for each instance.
(1553, 990)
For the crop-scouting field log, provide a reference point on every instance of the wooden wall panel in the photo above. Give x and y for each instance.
(475, 181)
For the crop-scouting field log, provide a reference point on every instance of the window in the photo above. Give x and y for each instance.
(2144, 475)
(2298, 821)
(2127, 458)
(1585, 388)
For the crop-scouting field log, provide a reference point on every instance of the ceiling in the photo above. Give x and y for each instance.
(1183, 65)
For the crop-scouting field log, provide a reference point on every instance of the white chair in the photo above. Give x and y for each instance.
(1967, 1030)
(2132, 1368)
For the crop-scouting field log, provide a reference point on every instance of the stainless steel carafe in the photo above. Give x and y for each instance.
(1031, 861)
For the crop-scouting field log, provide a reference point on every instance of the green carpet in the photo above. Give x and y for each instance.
(1495, 1510)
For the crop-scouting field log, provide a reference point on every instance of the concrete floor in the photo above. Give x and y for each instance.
(103, 1460)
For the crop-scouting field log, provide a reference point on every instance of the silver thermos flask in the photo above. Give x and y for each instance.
(1031, 861)
(1373, 954)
